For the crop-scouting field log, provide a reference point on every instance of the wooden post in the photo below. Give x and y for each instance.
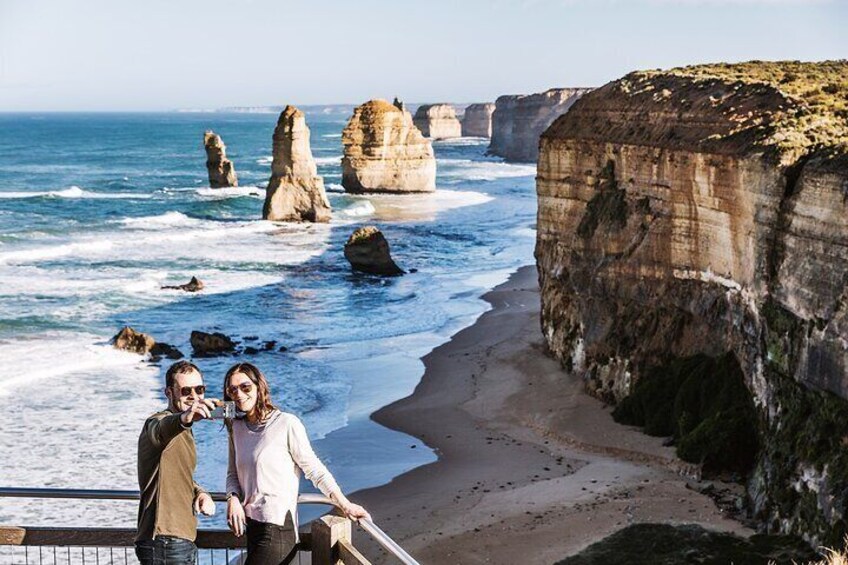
(326, 533)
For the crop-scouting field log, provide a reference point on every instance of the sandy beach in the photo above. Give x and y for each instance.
(530, 468)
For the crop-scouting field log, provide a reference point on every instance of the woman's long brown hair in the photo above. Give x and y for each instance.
(264, 406)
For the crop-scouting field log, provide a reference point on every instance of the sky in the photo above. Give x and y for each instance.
(127, 55)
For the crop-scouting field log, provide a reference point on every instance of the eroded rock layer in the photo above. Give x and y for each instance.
(703, 212)
(437, 121)
(221, 171)
(385, 152)
(295, 192)
(519, 120)
(477, 121)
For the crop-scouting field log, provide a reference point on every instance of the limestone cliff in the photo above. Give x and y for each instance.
(519, 120)
(477, 121)
(221, 171)
(385, 152)
(697, 214)
(295, 192)
(437, 121)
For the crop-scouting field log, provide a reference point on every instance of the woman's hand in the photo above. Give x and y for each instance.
(235, 516)
(354, 511)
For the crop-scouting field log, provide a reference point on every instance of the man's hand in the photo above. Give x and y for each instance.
(235, 516)
(200, 410)
(204, 504)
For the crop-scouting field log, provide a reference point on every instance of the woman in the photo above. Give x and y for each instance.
(267, 447)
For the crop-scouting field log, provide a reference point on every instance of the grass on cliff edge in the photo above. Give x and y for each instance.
(820, 89)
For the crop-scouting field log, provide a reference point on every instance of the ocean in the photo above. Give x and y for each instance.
(98, 211)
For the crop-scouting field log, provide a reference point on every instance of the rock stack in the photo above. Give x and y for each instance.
(477, 121)
(437, 121)
(221, 171)
(693, 236)
(367, 251)
(295, 192)
(385, 152)
(518, 121)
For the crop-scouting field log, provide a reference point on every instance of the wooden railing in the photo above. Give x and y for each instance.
(329, 542)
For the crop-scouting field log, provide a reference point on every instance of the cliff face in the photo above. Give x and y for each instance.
(385, 152)
(221, 171)
(437, 121)
(518, 121)
(295, 191)
(477, 121)
(701, 213)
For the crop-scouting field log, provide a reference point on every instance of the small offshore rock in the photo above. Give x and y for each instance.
(222, 174)
(194, 285)
(206, 344)
(249, 350)
(269, 345)
(160, 350)
(130, 340)
(368, 251)
(437, 121)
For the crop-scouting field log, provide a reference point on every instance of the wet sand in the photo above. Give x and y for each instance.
(530, 468)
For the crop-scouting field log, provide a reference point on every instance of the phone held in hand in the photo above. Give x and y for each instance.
(224, 410)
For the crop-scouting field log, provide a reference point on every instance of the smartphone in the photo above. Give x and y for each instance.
(224, 410)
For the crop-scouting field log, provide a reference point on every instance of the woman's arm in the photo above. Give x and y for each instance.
(236, 519)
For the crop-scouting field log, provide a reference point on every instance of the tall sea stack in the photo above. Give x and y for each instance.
(295, 192)
(437, 121)
(385, 152)
(692, 251)
(221, 171)
(518, 121)
(477, 121)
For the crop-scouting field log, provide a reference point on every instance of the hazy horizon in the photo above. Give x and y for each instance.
(159, 56)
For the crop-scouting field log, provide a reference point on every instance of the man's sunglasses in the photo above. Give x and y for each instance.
(245, 387)
(186, 390)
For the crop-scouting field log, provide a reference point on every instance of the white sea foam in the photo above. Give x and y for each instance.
(466, 169)
(167, 220)
(73, 192)
(334, 187)
(230, 192)
(265, 160)
(419, 206)
(333, 160)
(332, 135)
(463, 141)
(358, 210)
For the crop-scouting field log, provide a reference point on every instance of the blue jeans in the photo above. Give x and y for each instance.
(166, 550)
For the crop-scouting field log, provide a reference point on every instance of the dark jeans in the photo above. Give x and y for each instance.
(166, 550)
(270, 544)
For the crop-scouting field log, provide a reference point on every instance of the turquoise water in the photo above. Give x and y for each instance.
(98, 211)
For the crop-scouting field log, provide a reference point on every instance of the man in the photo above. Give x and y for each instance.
(166, 462)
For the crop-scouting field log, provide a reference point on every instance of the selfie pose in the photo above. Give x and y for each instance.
(267, 447)
(167, 458)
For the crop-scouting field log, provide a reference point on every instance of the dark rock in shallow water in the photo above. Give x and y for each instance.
(205, 344)
(368, 251)
(663, 544)
(269, 345)
(194, 285)
(250, 350)
(130, 340)
(160, 350)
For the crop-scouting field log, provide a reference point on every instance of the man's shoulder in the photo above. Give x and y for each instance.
(159, 415)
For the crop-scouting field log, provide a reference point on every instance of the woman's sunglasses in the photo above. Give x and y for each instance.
(245, 387)
(186, 390)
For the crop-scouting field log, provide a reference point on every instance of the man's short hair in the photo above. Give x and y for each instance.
(179, 368)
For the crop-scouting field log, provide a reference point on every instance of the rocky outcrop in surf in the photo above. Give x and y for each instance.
(437, 121)
(692, 250)
(194, 285)
(477, 121)
(367, 251)
(295, 192)
(519, 120)
(385, 152)
(211, 344)
(134, 341)
(222, 174)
